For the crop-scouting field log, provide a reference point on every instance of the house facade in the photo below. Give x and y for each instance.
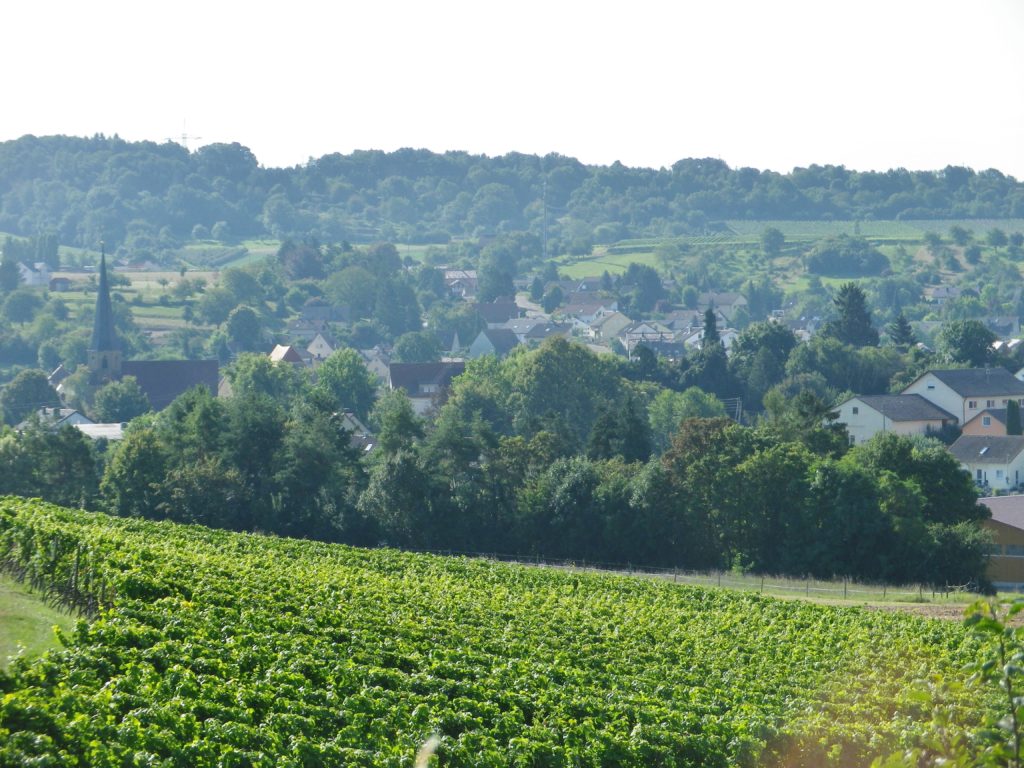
(990, 422)
(967, 392)
(867, 415)
(1006, 558)
(993, 462)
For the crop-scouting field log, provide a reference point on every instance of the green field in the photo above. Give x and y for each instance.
(26, 622)
(212, 648)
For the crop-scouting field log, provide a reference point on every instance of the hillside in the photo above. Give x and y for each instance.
(208, 648)
(151, 198)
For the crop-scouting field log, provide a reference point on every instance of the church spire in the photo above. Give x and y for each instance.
(104, 355)
(103, 338)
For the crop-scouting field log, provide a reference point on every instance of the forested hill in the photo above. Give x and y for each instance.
(144, 195)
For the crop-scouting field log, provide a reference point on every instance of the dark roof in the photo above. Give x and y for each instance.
(906, 408)
(502, 339)
(1008, 510)
(498, 311)
(543, 330)
(164, 380)
(987, 449)
(980, 382)
(103, 337)
(412, 377)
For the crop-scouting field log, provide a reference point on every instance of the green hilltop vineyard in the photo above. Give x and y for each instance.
(211, 648)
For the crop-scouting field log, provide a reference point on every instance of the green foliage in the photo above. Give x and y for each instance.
(119, 401)
(225, 648)
(1013, 422)
(343, 377)
(966, 342)
(26, 393)
(416, 347)
(852, 324)
(846, 256)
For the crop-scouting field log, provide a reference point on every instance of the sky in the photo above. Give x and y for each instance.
(869, 84)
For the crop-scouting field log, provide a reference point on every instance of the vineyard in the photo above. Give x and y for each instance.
(203, 647)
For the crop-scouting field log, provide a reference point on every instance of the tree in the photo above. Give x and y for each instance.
(933, 242)
(853, 324)
(10, 275)
(966, 341)
(996, 238)
(900, 332)
(536, 289)
(397, 425)
(772, 241)
(416, 347)
(254, 375)
(1013, 425)
(21, 306)
(215, 305)
(959, 235)
(26, 393)
(245, 328)
(551, 299)
(669, 409)
(344, 377)
(119, 401)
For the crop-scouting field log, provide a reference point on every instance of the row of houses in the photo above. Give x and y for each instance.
(974, 400)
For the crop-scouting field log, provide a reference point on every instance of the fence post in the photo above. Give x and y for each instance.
(719, 578)
(807, 587)
(762, 585)
(844, 587)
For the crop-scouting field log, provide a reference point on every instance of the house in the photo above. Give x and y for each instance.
(1005, 327)
(588, 312)
(529, 329)
(695, 338)
(967, 392)
(993, 462)
(114, 431)
(991, 421)
(644, 331)
(287, 354)
(34, 275)
(58, 417)
(691, 319)
(60, 284)
(668, 350)
(867, 415)
(362, 439)
(496, 313)
(321, 347)
(493, 341)
(377, 361)
(306, 330)
(609, 326)
(451, 344)
(726, 303)
(425, 383)
(1006, 558)
(940, 294)
(461, 282)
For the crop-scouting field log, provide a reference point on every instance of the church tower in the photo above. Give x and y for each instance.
(104, 354)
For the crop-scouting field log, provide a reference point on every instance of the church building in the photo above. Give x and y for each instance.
(161, 380)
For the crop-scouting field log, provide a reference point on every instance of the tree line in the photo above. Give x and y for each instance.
(150, 198)
(554, 451)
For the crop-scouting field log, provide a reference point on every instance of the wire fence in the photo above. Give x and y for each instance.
(788, 586)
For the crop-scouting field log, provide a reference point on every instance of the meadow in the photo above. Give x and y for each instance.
(211, 648)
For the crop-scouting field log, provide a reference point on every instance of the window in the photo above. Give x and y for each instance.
(856, 410)
(999, 474)
(931, 386)
(972, 403)
(1004, 402)
(986, 421)
(1014, 550)
(990, 403)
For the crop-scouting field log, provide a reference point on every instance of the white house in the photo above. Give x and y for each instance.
(867, 415)
(34, 275)
(994, 462)
(320, 348)
(967, 392)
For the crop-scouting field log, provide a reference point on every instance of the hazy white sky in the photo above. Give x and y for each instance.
(868, 84)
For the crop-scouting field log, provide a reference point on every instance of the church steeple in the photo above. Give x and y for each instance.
(104, 354)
